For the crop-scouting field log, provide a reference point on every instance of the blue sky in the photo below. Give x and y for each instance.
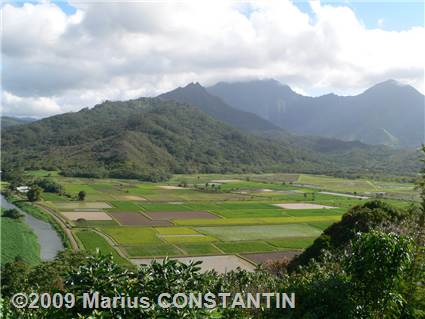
(387, 15)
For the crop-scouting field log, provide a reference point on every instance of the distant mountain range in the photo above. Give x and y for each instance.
(195, 94)
(388, 113)
(187, 130)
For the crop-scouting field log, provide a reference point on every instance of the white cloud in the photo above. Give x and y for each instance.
(53, 62)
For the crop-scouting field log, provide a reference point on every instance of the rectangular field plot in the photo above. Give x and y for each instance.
(148, 250)
(243, 213)
(94, 223)
(132, 235)
(165, 207)
(131, 197)
(176, 231)
(86, 215)
(82, 205)
(239, 233)
(199, 249)
(134, 218)
(302, 206)
(321, 225)
(314, 212)
(180, 215)
(124, 206)
(198, 238)
(245, 247)
(93, 241)
(256, 221)
(292, 243)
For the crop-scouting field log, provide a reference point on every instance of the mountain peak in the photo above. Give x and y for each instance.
(194, 85)
(391, 86)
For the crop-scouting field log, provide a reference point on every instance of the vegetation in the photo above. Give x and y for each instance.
(18, 242)
(12, 213)
(81, 195)
(369, 264)
(34, 194)
(94, 242)
(149, 139)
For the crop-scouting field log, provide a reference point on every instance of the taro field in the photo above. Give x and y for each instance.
(226, 221)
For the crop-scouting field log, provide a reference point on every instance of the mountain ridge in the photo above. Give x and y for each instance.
(367, 117)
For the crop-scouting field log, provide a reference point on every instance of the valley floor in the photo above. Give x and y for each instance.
(227, 221)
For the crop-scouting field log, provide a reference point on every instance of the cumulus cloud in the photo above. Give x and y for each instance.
(54, 62)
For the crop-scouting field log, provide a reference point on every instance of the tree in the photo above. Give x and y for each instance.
(377, 266)
(12, 213)
(81, 195)
(34, 193)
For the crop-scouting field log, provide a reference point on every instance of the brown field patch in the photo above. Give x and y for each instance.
(302, 206)
(171, 187)
(133, 218)
(260, 258)
(132, 197)
(180, 215)
(86, 215)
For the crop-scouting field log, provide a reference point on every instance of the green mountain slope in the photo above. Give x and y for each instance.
(7, 121)
(194, 94)
(150, 138)
(143, 138)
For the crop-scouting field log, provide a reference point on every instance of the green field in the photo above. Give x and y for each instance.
(237, 233)
(93, 242)
(246, 219)
(132, 235)
(18, 240)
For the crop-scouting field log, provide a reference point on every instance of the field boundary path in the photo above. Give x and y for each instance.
(112, 243)
(65, 228)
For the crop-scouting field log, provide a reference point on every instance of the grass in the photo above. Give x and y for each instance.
(95, 223)
(256, 221)
(80, 205)
(314, 212)
(245, 247)
(132, 235)
(150, 250)
(53, 197)
(292, 243)
(164, 207)
(249, 213)
(94, 242)
(124, 206)
(174, 239)
(18, 240)
(176, 231)
(260, 232)
(321, 225)
(199, 249)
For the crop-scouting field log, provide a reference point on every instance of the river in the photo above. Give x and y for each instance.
(48, 238)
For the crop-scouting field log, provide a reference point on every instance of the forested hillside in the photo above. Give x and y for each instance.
(150, 138)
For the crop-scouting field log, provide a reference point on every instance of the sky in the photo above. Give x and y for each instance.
(60, 56)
